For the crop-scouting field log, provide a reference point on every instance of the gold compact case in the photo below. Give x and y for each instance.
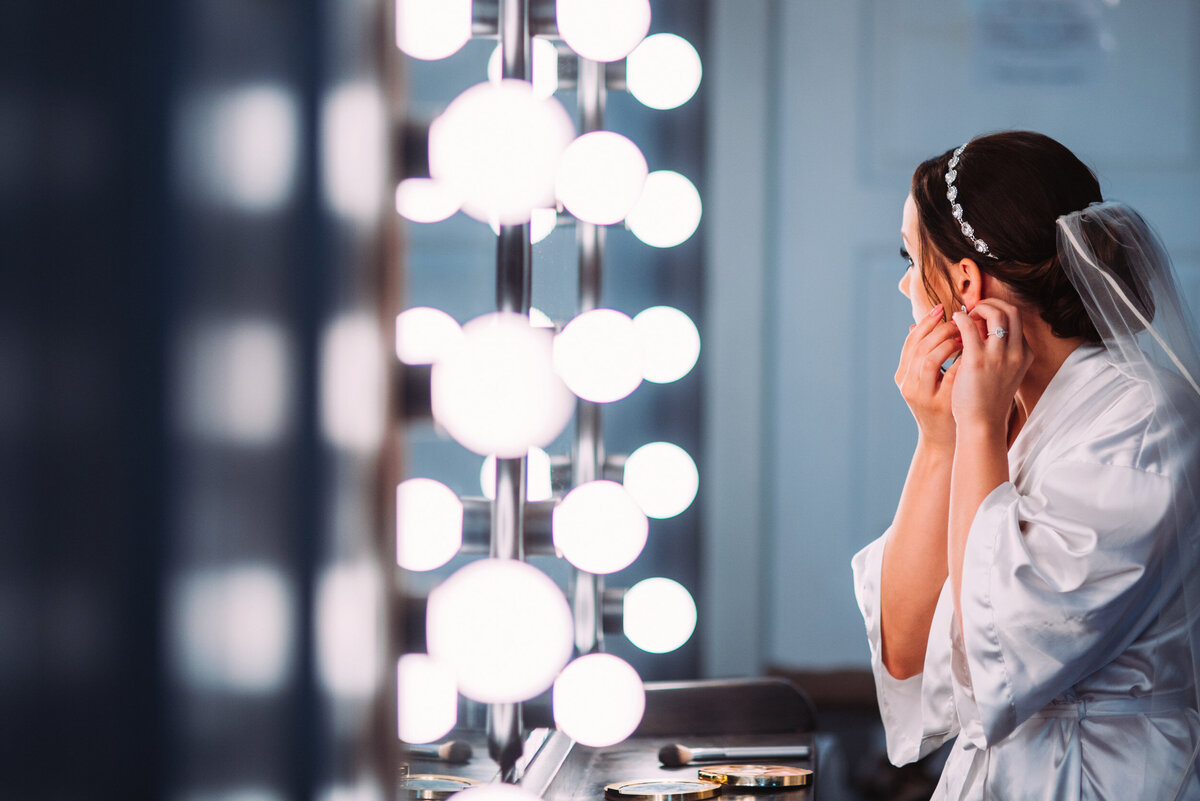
(764, 776)
(662, 790)
(433, 786)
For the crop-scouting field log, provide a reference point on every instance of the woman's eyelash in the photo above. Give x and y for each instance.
(907, 258)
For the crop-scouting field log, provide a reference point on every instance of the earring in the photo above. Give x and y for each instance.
(964, 308)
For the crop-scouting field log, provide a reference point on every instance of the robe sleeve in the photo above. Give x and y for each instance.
(918, 712)
(1053, 585)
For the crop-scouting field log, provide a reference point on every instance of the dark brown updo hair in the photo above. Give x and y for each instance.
(1012, 186)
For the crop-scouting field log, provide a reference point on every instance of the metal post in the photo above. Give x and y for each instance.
(513, 291)
(587, 588)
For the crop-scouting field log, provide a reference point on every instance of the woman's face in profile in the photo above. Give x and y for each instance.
(911, 285)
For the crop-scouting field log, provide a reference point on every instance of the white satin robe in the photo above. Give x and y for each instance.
(1072, 676)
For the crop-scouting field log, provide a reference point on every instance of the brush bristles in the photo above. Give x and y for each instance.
(675, 755)
(455, 751)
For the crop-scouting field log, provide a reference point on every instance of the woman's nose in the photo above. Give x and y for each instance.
(903, 286)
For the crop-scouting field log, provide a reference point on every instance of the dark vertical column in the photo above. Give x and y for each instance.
(514, 286)
(166, 486)
(587, 588)
(84, 484)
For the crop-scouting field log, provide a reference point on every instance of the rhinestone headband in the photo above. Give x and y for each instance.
(956, 208)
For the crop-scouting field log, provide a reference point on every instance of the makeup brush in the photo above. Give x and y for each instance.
(675, 755)
(452, 751)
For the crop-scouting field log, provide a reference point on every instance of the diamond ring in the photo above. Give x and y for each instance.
(999, 333)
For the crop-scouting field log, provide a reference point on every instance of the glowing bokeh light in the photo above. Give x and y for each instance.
(599, 527)
(429, 519)
(235, 628)
(663, 71)
(354, 151)
(670, 343)
(243, 792)
(425, 200)
(599, 355)
(668, 212)
(660, 615)
(423, 334)
(432, 29)
(361, 790)
(242, 146)
(496, 391)
(603, 30)
(426, 699)
(235, 381)
(502, 627)
(347, 610)
(495, 791)
(537, 478)
(600, 177)
(662, 478)
(497, 147)
(353, 396)
(544, 67)
(598, 700)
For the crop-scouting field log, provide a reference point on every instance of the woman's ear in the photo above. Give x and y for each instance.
(967, 281)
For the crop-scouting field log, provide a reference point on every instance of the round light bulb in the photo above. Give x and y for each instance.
(502, 627)
(600, 177)
(426, 699)
(598, 700)
(539, 319)
(425, 200)
(495, 791)
(545, 67)
(662, 478)
(432, 29)
(603, 30)
(663, 71)
(660, 615)
(496, 391)
(423, 334)
(599, 356)
(670, 343)
(668, 212)
(599, 527)
(537, 476)
(542, 223)
(497, 147)
(429, 519)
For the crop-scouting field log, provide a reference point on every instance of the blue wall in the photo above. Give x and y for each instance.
(818, 113)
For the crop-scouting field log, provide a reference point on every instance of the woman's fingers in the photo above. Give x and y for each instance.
(992, 365)
(931, 366)
(971, 339)
(916, 333)
(921, 359)
(922, 327)
(1002, 320)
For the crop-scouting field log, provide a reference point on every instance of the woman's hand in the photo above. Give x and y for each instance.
(983, 383)
(994, 359)
(919, 376)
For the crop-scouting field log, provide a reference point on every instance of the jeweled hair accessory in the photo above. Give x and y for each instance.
(956, 208)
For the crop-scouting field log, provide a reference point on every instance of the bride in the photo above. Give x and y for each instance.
(1037, 593)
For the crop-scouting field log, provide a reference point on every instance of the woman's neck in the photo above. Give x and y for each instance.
(1049, 353)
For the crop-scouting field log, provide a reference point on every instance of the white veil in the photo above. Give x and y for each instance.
(1122, 272)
